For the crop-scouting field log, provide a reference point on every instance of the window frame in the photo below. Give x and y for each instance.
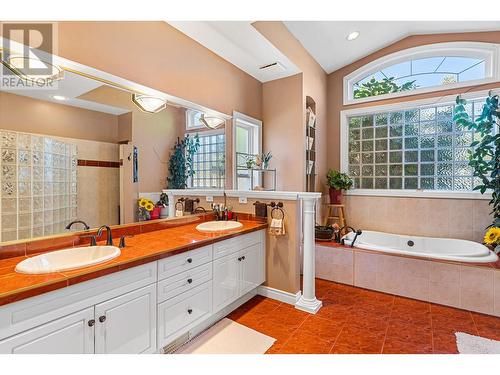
(256, 143)
(344, 147)
(190, 123)
(487, 51)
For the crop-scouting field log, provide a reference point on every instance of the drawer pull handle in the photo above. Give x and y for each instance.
(190, 260)
(102, 319)
(91, 322)
(239, 259)
(190, 281)
(190, 311)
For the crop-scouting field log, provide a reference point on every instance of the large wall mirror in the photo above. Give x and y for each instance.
(88, 149)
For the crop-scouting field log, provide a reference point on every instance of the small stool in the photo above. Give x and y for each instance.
(335, 214)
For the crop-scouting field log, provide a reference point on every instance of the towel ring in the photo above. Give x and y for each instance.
(280, 210)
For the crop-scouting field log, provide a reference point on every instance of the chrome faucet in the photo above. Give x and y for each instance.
(78, 222)
(109, 238)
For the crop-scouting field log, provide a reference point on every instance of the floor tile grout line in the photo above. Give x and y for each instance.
(432, 329)
(387, 328)
(293, 333)
(475, 324)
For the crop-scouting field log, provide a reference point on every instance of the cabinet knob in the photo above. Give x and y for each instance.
(190, 311)
(102, 319)
(243, 257)
(190, 281)
(239, 259)
(91, 322)
(190, 260)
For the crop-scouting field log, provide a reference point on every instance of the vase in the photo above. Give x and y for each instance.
(163, 212)
(155, 214)
(335, 196)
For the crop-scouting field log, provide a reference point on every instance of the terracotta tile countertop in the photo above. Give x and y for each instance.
(140, 249)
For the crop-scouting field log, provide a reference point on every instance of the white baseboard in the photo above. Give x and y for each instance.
(279, 295)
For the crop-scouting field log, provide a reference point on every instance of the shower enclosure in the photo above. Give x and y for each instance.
(38, 180)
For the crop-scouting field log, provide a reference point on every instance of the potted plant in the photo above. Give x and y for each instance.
(250, 162)
(337, 182)
(163, 204)
(180, 166)
(266, 158)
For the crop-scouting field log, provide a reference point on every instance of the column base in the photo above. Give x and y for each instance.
(309, 306)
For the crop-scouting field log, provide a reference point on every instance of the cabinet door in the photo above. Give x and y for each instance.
(252, 272)
(72, 334)
(226, 280)
(127, 324)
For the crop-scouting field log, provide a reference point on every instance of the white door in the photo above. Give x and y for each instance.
(127, 324)
(226, 280)
(72, 334)
(252, 272)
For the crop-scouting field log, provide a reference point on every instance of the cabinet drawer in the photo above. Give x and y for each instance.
(182, 262)
(184, 281)
(235, 244)
(179, 314)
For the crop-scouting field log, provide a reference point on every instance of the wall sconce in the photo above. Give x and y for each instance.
(33, 69)
(212, 122)
(149, 104)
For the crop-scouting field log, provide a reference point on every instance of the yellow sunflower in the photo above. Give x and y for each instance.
(149, 206)
(492, 236)
(142, 202)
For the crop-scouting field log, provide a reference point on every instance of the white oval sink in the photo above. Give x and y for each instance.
(218, 226)
(69, 259)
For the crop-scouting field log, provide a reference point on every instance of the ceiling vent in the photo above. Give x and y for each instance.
(272, 68)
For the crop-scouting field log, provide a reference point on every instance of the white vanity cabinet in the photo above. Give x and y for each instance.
(141, 309)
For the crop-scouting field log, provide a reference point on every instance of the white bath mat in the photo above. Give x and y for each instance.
(228, 337)
(470, 344)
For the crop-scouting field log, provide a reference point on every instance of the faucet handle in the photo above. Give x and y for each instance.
(122, 240)
(93, 240)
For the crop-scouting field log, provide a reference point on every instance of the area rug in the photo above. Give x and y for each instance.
(228, 337)
(470, 344)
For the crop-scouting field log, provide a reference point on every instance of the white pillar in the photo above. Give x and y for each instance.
(171, 204)
(308, 302)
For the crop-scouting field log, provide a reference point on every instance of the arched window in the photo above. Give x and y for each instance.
(423, 69)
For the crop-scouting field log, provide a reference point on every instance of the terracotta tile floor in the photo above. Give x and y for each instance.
(354, 320)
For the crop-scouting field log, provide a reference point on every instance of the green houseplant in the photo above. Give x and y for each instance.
(374, 87)
(484, 156)
(337, 182)
(180, 165)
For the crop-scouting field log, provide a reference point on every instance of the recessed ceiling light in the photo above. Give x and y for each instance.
(353, 35)
(59, 97)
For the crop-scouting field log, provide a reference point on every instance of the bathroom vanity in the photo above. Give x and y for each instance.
(149, 308)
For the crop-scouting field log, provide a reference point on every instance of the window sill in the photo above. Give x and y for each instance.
(419, 194)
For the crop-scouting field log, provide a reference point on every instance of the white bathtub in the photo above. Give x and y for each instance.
(427, 247)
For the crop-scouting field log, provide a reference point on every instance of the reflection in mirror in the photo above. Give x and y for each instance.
(68, 154)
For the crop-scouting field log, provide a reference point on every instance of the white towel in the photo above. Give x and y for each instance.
(277, 223)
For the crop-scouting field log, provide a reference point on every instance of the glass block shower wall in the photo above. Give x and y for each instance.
(38, 179)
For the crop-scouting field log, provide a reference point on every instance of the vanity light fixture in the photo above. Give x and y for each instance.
(352, 35)
(212, 122)
(149, 104)
(25, 68)
(59, 97)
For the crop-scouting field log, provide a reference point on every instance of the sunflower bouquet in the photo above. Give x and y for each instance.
(145, 206)
(492, 237)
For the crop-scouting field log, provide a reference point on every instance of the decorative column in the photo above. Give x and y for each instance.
(171, 203)
(308, 302)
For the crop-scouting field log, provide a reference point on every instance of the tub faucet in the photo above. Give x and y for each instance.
(78, 222)
(356, 234)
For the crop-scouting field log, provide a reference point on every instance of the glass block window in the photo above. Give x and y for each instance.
(38, 180)
(419, 148)
(209, 162)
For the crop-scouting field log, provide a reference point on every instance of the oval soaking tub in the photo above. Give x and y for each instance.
(426, 247)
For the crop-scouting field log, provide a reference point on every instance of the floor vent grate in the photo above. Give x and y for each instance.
(176, 344)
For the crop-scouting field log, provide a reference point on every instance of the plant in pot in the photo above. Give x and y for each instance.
(484, 155)
(180, 165)
(337, 182)
(163, 204)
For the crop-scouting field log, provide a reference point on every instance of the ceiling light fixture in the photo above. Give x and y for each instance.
(352, 35)
(59, 97)
(33, 69)
(149, 104)
(212, 122)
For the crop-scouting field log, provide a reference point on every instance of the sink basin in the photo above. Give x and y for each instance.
(69, 259)
(218, 226)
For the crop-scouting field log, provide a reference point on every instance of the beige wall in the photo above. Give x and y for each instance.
(282, 130)
(24, 114)
(159, 56)
(432, 217)
(314, 84)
